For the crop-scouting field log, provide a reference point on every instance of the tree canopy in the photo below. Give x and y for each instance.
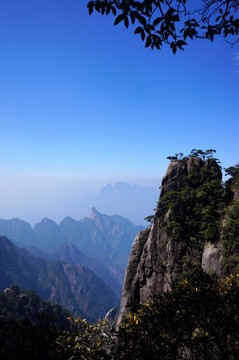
(197, 319)
(174, 22)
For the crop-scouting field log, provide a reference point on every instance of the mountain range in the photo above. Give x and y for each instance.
(98, 246)
(76, 288)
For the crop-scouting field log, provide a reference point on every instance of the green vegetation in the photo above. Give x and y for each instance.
(204, 155)
(31, 328)
(195, 210)
(231, 239)
(174, 22)
(88, 342)
(233, 171)
(203, 210)
(197, 319)
(149, 218)
(27, 305)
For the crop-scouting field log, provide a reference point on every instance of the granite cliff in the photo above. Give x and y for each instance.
(196, 223)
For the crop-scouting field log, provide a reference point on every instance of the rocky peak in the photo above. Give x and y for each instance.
(174, 177)
(94, 213)
(97, 218)
(159, 255)
(48, 221)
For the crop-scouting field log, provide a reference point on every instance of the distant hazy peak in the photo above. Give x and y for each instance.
(121, 184)
(94, 213)
(18, 221)
(47, 220)
(107, 188)
(67, 219)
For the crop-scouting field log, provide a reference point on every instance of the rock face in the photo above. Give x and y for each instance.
(212, 258)
(159, 255)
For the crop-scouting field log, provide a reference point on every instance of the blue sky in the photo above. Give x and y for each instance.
(81, 99)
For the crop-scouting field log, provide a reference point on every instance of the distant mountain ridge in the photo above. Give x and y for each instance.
(72, 255)
(131, 201)
(104, 242)
(74, 287)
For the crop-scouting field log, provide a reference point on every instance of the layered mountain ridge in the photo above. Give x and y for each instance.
(66, 262)
(76, 288)
(100, 242)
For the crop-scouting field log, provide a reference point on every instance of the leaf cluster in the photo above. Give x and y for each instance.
(204, 155)
(88, 341)
(173, 22)
(233, 171)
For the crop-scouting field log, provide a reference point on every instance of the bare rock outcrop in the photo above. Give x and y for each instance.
(212, 258)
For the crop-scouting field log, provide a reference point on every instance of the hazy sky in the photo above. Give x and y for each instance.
(81, 99)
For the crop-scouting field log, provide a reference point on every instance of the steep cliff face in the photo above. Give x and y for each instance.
(187, 229)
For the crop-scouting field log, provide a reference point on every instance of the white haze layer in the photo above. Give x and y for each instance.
(31, 199)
